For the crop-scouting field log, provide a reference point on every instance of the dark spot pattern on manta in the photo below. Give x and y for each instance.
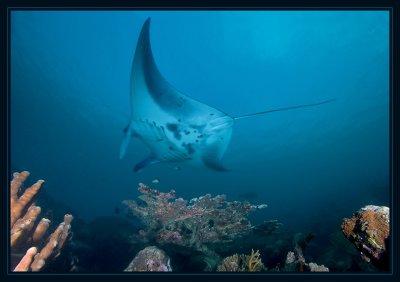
(189, 148)
(172, 127)
(177, 135)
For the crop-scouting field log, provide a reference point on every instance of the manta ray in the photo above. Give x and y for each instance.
(175, 127)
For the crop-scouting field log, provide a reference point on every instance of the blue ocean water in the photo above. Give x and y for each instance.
(70, 102)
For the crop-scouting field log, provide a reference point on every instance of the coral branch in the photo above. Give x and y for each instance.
(26, 261)
(56, 242)
(19, 204)
(40, 230)
(254, 261)
(24, 225)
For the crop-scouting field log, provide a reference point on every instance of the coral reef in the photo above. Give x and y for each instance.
(27, 237)
(369, 231)
(150, 259)
(192, 224)
(242, 263)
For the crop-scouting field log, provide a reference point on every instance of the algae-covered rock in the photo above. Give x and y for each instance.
(369, 231)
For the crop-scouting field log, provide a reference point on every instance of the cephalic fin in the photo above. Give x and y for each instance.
(152, 159)
(128, 134)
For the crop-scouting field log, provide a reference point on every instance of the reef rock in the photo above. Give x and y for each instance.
(317, 268)
(150, 259)
(369, 231)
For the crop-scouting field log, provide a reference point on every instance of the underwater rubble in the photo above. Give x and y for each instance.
(368, 229)
(30, 249)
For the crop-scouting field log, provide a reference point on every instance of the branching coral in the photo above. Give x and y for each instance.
(26, 234)
(254, 263)
(191, 224)
(22, 225)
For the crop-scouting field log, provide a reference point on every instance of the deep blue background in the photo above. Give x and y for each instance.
(70, 101)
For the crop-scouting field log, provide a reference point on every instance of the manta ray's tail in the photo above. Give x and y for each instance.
(282, 109)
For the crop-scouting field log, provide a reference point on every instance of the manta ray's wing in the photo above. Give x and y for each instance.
(193, 131)
(163, 149)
